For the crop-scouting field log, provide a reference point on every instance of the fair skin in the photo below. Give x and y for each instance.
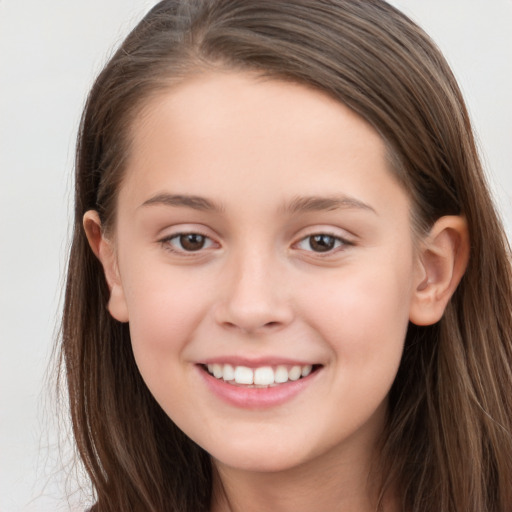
(259, 226)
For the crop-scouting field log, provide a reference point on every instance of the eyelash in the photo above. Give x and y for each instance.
(167, 243)
(339, 243)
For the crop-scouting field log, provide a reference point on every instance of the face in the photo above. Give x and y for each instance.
(262, 238)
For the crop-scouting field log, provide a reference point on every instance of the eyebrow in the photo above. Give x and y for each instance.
(320, 203)
(299, 204)
(180, 200)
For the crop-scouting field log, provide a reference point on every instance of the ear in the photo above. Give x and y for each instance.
(104, 250)
(442, 261)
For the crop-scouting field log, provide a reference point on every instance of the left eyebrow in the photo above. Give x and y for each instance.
(187, 201)
(319, 203)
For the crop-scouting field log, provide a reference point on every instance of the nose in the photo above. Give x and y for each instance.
(255, 295)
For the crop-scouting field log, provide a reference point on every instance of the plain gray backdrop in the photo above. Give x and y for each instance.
(50, 52)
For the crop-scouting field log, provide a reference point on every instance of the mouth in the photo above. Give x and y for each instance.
(261, 376)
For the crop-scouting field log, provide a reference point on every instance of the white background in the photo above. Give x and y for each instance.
(50, 52)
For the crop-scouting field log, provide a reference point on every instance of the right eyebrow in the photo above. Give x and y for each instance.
(326, 203)
(180, 200)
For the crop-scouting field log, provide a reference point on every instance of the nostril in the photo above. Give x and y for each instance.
(252, 315)
(267, 325)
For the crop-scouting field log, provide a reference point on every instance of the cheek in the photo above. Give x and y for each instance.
(362, 313)
(164, 309)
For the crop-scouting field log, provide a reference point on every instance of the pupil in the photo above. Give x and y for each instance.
(192, 241)
(322, 243)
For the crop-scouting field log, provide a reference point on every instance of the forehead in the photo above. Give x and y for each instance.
(239, 133)
(241, 97)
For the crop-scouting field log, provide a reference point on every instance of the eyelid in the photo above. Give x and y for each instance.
(165, 241)
(344, 241)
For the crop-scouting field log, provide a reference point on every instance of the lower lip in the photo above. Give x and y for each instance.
(256, 398)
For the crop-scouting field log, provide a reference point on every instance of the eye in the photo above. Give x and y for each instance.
(188, 242)
(321, 242)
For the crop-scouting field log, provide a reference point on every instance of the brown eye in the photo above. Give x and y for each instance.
(192, 241)
(187, 242)
(321, 242)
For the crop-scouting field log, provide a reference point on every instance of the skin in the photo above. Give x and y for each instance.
(251, 147)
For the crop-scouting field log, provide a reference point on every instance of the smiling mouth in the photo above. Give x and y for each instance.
(260, 377)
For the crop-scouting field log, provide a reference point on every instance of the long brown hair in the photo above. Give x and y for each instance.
(448, 443)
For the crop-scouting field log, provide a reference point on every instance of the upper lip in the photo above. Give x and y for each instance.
(256, 362)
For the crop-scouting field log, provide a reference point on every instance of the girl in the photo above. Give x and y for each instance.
(288, 288)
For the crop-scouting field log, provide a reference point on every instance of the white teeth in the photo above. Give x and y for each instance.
(217, 371)
(306, 370)
(229, 372)
(244, 375)
(295, 373)
(281, 375)
(262, 376)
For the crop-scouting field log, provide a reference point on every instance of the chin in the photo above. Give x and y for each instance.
(268, 459)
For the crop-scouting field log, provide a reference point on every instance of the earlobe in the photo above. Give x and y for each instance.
(104, 250)
(442, 261)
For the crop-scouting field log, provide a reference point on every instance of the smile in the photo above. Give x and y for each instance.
(258, 387)
(263, 376)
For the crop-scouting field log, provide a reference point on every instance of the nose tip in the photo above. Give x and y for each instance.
(255, 300)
